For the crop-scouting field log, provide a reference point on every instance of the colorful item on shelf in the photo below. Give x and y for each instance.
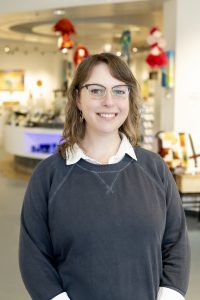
(157, 57)
(168, 71)
(65, 28)
(80, 53)
(177, 150)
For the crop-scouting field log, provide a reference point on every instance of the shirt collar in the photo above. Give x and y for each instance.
(125, 148)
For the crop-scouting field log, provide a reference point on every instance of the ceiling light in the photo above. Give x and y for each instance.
(107, 48)
(118, 53)
(7, 49)
(135, 49)
(64, 50)
(59, 12)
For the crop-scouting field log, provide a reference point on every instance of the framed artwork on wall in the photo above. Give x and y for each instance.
(11, 80)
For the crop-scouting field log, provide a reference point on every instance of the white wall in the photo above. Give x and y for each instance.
(181, 110)
(46, 68)
(139, 67)
(167, 105)
(187, 92)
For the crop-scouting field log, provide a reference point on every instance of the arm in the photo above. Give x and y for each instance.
(36, 258)
(175, 245)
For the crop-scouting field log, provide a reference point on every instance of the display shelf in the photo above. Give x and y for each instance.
(148, 119)
(35, 143)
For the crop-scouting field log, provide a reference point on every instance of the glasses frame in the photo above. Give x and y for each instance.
(100, 85)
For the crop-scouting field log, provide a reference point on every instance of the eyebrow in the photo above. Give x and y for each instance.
(88, 84)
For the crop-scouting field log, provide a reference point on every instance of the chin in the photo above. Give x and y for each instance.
(108, 130)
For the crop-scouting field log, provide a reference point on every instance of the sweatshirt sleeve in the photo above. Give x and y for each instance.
(36, 258)
(175, 244)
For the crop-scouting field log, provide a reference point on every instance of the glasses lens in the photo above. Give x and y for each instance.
(96, 91)
(120, 90)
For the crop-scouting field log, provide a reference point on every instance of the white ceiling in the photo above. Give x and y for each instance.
(96, 24)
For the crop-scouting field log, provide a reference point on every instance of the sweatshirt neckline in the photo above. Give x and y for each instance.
(102, 168)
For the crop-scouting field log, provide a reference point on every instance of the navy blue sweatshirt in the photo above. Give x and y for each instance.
(103, 232)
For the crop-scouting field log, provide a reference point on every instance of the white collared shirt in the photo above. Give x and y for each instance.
(125, 148)
(163, 294)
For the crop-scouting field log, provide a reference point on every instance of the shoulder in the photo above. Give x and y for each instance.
(147, 157)
(51, 162)
(153, 164)
(47, 168)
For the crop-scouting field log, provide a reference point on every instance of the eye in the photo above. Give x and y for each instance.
(96, 90)
(120, 91)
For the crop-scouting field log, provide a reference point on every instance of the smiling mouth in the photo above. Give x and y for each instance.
(107, 115)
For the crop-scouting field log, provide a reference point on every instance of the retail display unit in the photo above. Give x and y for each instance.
(181, 153)
(34, 143)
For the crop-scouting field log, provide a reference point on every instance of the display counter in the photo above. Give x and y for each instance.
(33, 143)
(189, 189)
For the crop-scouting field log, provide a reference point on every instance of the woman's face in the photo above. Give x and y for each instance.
(103, 114)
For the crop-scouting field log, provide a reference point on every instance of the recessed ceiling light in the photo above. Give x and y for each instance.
(135, 49)
(64, 50)
(59, 12)
(6, 49)
(118, 53)
(107, 47)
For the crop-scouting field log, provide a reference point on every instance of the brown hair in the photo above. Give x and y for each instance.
(74, 127)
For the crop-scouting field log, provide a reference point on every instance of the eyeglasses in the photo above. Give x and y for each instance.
(98, 91)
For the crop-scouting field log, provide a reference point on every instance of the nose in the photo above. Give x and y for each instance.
(108, 99)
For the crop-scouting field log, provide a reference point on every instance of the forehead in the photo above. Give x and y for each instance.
(101, 74)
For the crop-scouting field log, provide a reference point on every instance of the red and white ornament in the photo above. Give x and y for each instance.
(157, 56)
(80, 53)
(65, 28)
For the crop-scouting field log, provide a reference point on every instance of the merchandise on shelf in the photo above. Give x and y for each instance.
(147, 125)
(180, 151)
(37, 117)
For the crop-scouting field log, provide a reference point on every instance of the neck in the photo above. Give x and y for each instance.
(100, 148)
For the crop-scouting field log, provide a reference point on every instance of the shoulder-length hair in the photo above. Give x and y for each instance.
(74, 126)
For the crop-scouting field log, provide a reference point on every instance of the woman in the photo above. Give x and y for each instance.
(102, 219)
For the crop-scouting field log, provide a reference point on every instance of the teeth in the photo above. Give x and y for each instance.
(107, 115)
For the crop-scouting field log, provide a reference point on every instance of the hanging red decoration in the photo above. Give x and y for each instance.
(80, 53)
(64, 42)
(157, 56)
(66, 28)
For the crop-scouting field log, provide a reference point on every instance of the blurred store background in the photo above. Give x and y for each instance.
(41, 44)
